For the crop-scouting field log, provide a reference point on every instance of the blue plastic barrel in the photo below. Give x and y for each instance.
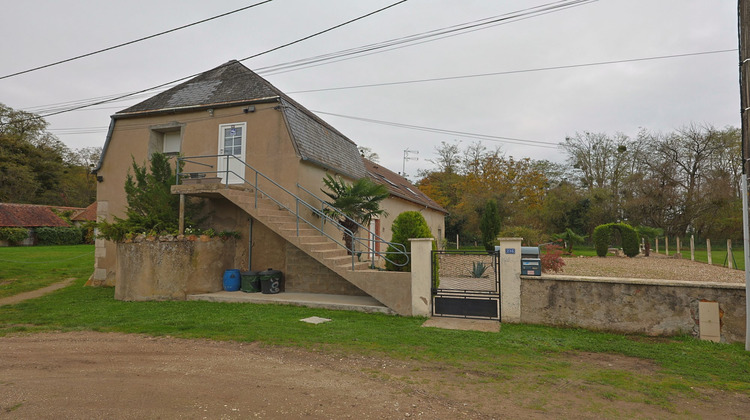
(232, 280)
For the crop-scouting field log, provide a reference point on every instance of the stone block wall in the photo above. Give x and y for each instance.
(304, 274)
(650, 307)
(173, 269)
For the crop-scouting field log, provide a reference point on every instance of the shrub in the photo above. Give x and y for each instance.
(152, 208)
(490, 225)
(59, 235)
(551, 258)
(409, 224)
(13, 235)
(603, 238)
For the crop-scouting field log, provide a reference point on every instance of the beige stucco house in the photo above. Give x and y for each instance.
(247, 143)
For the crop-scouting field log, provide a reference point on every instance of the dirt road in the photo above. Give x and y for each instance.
(120, 376)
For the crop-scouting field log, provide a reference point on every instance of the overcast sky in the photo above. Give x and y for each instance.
(542, 107)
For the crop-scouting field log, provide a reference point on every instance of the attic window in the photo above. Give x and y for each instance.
(172, 142)
(167, 140)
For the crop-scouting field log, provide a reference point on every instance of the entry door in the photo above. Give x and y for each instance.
(232, 153)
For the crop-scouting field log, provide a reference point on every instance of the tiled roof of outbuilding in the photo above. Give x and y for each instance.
(233, 84)
(399, 186)
(28, 215)
(86, 215)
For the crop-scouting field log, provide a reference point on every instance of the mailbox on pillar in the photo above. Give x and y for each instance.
(531, 264)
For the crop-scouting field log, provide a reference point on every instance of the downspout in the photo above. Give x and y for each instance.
(250, 246)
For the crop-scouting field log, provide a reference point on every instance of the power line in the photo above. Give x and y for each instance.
(502, 139)
(127, 95)
(50, 110)
(326, 30)
(423, 37)
(502, 19)
(67, 60)
(499, 73)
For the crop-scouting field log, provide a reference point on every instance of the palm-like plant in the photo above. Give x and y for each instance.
(357, 204)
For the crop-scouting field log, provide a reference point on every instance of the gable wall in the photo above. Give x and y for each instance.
(269, 150)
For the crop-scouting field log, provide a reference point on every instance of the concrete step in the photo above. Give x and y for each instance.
(329, 253)
(358, 266)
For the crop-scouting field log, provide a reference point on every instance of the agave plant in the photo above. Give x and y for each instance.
(478, 270)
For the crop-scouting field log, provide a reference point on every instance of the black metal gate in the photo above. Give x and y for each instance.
(466, 284)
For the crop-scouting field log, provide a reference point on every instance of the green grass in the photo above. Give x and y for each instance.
(532, 357)
(31, 268)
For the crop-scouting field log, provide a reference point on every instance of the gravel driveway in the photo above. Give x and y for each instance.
(652, 267)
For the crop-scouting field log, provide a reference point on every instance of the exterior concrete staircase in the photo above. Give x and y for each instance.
(393, 289)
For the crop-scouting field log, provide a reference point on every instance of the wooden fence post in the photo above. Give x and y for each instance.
(678, 246)
(657, 245)
(692, 247)
(729, 253)
(666, 246)
(708, 251)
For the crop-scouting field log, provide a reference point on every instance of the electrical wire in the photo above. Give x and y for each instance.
(49, 110)
(128, 95)
(67, 60)
(501, 139)
(500, 73)
(423, 37)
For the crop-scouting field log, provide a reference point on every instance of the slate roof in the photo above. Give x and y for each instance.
(28, 215)
(399, 186)
(233, 84)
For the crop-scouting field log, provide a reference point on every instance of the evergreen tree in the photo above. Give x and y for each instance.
(490, 225)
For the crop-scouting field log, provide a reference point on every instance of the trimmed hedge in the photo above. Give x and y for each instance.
(13, 235)
(603, 237)
(409, 224)
(59, 235)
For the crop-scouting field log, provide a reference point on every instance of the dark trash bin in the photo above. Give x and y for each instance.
(270, 281)
(250, 281)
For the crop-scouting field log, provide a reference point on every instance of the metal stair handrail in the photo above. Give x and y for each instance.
(180, 174)
(400, 249)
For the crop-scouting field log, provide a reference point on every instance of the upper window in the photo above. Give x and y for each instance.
(172, 142)
(166, 139)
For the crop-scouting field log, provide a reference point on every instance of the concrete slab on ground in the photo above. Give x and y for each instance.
(310, 300)
(463, 324)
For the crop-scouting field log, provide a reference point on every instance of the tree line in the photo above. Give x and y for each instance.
(683, 182)
(37, 168)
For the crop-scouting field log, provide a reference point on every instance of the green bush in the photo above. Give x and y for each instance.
(489, 224)
(409, 224)
(603, 238)
(13, 235)
(59, 235)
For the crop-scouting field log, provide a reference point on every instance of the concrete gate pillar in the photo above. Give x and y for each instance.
(510, 279)
(421, 276)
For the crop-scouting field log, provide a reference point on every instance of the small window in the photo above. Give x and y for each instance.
(172, 142)
(166, 139)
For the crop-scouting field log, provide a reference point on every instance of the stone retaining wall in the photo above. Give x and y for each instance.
(171, 270)
(651, 307)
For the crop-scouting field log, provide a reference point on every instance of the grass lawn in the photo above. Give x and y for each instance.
(540, 355)
(30, 268)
